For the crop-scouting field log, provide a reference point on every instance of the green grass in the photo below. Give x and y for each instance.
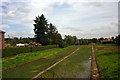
(75, 66)
(24, 57)
(8, 52)
(107, 44)
(107, 63)
(31, 69)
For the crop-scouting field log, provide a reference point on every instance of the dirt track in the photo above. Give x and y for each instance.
(94, 67)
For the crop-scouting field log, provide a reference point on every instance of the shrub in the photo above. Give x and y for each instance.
(62, 44)
(7, 52)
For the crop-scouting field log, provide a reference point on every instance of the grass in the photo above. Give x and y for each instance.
(107, 44)
(24, 57)
(75, 66)
(107, 59)
(31, 69)
(9, 52)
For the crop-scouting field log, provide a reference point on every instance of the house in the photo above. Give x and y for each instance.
(107, 40)
(35, 44)
(2, 39)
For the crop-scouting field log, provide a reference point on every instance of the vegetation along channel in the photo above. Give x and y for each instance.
(68, 44)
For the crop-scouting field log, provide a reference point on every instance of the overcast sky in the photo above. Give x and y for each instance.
(83, 19)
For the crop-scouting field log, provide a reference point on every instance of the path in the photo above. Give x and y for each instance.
(94, 67)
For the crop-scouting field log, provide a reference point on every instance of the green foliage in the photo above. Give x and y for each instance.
(53, 34)
(83, 42)
(29, 70)
(45, 33)
(94, 40)
(24, 57)
(7, 52)
(108, 63)
(117, 40)
(71, 40)
(62, 44)
(41, 28)
(109, 44)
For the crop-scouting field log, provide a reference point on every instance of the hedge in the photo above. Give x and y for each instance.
(63, 44)
(7, 52)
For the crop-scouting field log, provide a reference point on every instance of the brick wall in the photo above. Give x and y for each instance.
(2, 40)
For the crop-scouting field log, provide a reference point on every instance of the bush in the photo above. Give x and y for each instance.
(7, 52)
(62, 44)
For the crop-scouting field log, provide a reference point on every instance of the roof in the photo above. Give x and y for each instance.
(106, 40)
(2, 31)
(35, 43)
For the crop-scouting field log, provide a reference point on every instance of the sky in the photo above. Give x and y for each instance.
(81, 18)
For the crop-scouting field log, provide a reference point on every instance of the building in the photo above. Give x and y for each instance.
(35, 44)
(22, 45)
(106, 41)
(2, 39)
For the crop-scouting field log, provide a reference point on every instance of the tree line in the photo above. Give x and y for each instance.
(47, 34)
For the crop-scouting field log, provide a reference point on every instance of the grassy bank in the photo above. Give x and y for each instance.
(107, 59)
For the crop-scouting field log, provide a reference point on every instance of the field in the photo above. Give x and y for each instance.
(107, 59)
(24, 57)
(75, 66)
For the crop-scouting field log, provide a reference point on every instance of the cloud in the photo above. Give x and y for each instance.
(93, 4)
(10, 14)
(4, 26)
(103, 31)
(24, 10)
(89, 19)
(71, 29)
(19, 34)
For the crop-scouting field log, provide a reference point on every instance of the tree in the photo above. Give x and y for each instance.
(26, 40)
(53, 34)
(76, 41)
(94, 40)
(71, 40)
(41, 28)
(100, 39)
(62, 44)
(83, 42)
(117, 40)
